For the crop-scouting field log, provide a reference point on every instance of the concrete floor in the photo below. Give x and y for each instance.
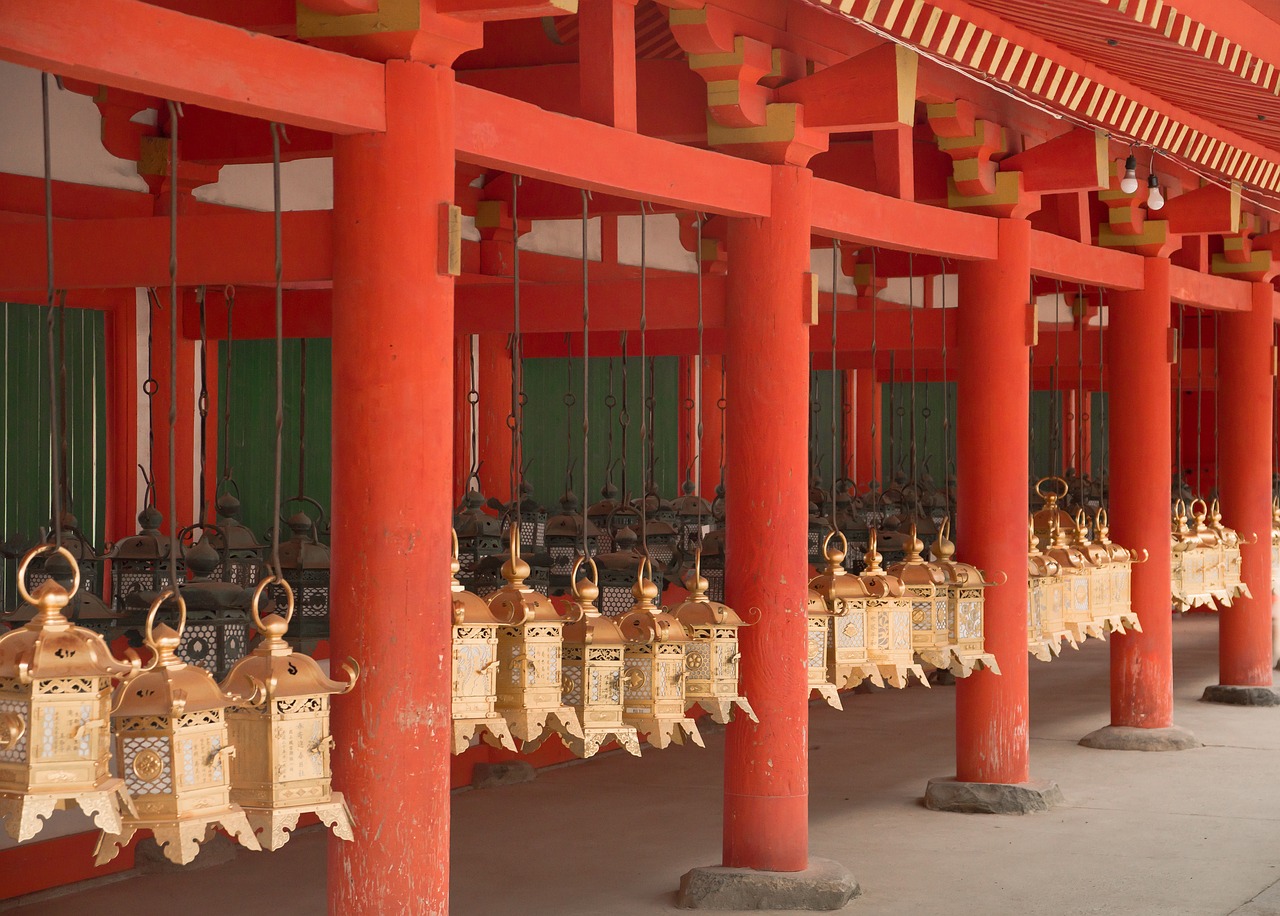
(1195, 832)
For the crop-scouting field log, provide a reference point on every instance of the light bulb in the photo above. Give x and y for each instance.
(1155, 200)
(1129, 183)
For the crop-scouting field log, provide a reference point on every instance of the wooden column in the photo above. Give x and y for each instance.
(607, 65)
(766, 805)
(1244, 428)
(991, 500)
(392, 420)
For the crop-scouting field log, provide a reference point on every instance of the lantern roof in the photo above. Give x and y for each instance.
(515, 603)
(591, 628)
(51, 646)
(914, 569)
(280, 672)
(646, 622)
(169, 687)
(303, 550)
(834, 582)
(699, 610)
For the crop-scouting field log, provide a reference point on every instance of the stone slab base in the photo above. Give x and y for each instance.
(991, 797)
(1240, 696)
(489, 775)
(824, 885)
(1127, 738)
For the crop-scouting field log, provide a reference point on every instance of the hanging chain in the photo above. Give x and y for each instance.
(202, 400)
(875, 413)
(1177, 447)
(835, 375)
(946, 400)
(1199, 402)
(911, 330)
(569, 402)
(624, 422)
(586, 376)
(644, 413)
(225, 437)
(1217, 424)
(515, 420)
(175, 113)
(1081, 411)
(1058, 462)
(276, 569)
(1104, 398)
(302, 416)
(55, 470)
(63, 439)
(473, 416)
(697, 386)
(149, 388)
(610, 402)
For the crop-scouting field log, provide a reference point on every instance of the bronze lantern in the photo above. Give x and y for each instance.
(1075, 575)
(1189, 585)
(888, 623)
(475, 668)
(1102, 610)
(239, 551)
(304, 561)
(174, 750)
(845, 599)
(818, 658)
(925, 584)
(693, 516)
(281, 768)
(711, 658)
(966, 609)
(593, 657)
(618, 571)
(75, 543)
(84, 608)
(1229, 546)
(564, 539)
(139, 563)
(529, 649)
(479, 536)
(55, 705)
(654, 659)
(1121, 563)
(1046, 598)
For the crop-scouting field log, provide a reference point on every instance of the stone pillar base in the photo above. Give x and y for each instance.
(1232, 695)
(824, 885)
(949, 794)
(1127, 738)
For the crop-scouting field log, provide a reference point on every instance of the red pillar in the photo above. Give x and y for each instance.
(1244, 629)
(393, 373)
(991, 500)
(494, 445)
(125, 410)
(867, 450)
(1138, 375)
(767, 347)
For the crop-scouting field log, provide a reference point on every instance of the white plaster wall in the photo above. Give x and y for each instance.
(305, 184)
(662, 243)
(76, 144)
(562, 237)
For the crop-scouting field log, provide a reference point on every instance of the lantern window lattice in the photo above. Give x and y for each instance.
(304, 563)
(239, 553)
(618, 570)
(966, 609)
(475, 668)
(1047, 595)
(889, 643)
(55, 705)
(838, 626)
(139, 563)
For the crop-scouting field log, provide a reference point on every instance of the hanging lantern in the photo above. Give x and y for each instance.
(654, 659)
(1275, 545)
(593, 656)
(55, 702)
(1121, 563)
(888, 623)
(281, 768)
(1075, 573)
(304, 562)
(618, 571)
(925, 585)
(533, 519)
(1189, 561)
(713, 563)
(1215, 559)
(240, 554)
(84, 609)
(601, 514)
(217, 632)
(819, 661)
(564, 537)
(529, 676)
(75, 543)
(475, 668)
(479, 535)
(1051, 490)
(173, 751)
(966, 588)
(1102, 609)
(693, 517)
(845, 602)
(139, 563)
(1229, 554)
(712, 655)
(1045, 631)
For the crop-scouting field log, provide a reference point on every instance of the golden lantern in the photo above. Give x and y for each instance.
(281, 768)
(1275, 545)
(1046, 596)
(925, 585)
(654, 658)
(965, 588)
(529, 640)
(55, 704)
(593, 656)
(1215, 561)
(711, 658)
(174, 750)
(1102, 608)
(1076, 576)
(1229, 556)
(1120, 562)
(1050, 514)
(475, 667)
(1189, 564)
(838, 657)
(888, 622)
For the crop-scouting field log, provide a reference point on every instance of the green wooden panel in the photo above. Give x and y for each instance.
(250, 443)
(932, 407)
(552, 440)
(25, 472)
(823, 440)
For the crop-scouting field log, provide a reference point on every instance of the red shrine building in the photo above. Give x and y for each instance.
(401, 396)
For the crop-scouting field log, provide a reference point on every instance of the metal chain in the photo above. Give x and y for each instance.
(515, 420)
(1177, 445)
(875, 414)
(697, 387)
(202, 399)
(644, 413)
(569, 402)
(1058, 462)
(225, 438)
(276, 569)
(610, 402)
(586, 377)
(1217, 388)
(302, 416)
(1104, 410)
(624, 421)
(835, 374)
(473, 399)
(1199, 402)
(63, 439)
(911, 330)
(55, 471)
(946, 400)
(175, 113)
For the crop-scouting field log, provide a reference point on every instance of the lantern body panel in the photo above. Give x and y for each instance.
(821, 658)
(530, 682)
(475, 688)
(889, 640)
(711, 671)
(851, 661)
(653, 693)
(967, 617)
(593, 687)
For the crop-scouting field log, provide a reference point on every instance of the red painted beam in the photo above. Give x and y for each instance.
(1061, 258)
(1202, 290)
(157, 52)
(498, 132)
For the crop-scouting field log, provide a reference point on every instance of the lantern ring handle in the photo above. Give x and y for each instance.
(155, 607)
(1192, 507)
(1101, 518)
(594, 578)
(37, 551)
(826, 544)
(1180, 508)
(1062, 485)
(454, 550)
(255, 614)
